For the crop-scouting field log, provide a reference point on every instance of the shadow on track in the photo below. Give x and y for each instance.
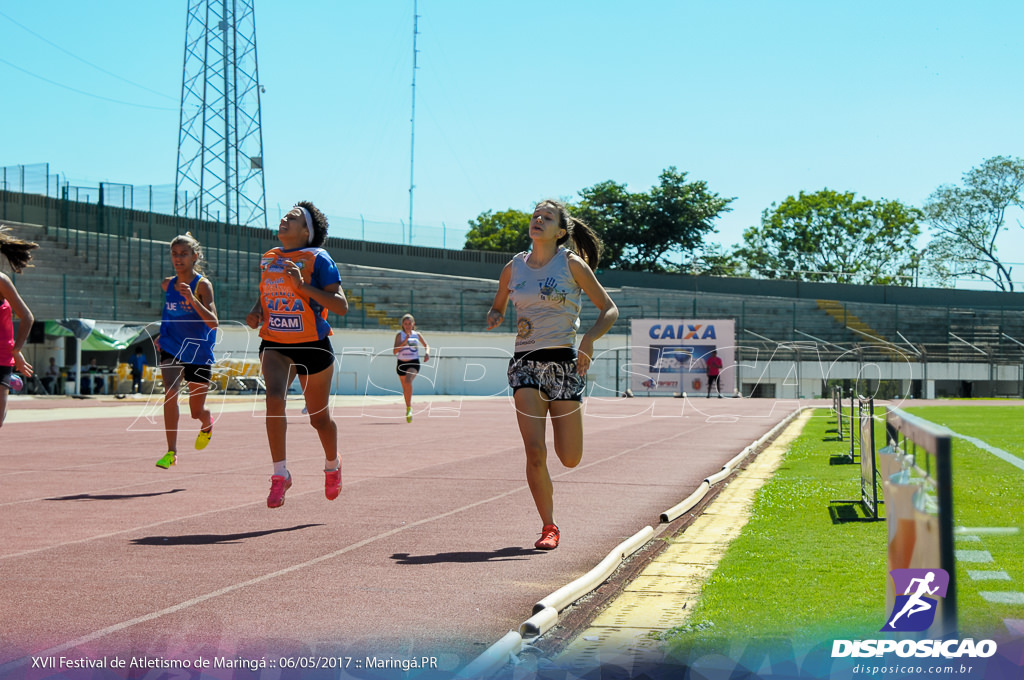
(214, 539)
(113, 496)
(500, 555)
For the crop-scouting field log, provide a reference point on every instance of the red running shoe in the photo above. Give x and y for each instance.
(278, 485)
(548, 538)
(332, 483)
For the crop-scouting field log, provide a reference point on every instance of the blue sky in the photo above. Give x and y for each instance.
(526, 100)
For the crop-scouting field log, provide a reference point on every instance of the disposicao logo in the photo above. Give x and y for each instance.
(912, 612)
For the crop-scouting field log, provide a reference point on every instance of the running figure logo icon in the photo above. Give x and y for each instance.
(914, 610)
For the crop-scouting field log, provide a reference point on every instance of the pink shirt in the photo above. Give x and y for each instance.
(6, 335)
(714, 365)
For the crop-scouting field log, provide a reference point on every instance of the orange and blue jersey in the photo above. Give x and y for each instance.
(183, 333)
(289, 316)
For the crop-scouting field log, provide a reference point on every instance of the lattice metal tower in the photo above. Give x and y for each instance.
(220, 141)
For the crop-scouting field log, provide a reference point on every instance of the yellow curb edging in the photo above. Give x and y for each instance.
(665, 592)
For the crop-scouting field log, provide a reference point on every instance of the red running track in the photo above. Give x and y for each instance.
(428, 551)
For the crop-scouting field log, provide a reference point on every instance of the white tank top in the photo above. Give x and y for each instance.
(547, 302)
(410, 352)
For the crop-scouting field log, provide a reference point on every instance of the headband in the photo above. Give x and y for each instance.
(309, 223)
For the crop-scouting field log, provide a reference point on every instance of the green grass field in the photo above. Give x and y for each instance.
(796, 574)
(988, 493)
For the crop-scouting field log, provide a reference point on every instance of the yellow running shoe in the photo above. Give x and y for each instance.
(408, 415)
(203, 438)
(167, 461)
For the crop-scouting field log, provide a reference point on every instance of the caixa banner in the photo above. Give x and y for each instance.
(678, 356)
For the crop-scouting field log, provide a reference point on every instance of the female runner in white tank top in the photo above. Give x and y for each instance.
(410, 345)
(547, 375)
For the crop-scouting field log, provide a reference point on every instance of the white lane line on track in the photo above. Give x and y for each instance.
(186, 475)
(259, 503)
(134, 411)
(107, 462)
(98, 537)
(117, 627)
(997, 452)
(153, 408)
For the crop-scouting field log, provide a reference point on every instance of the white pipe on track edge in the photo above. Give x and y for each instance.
(494, 657)
(687, 503)
(545, 612)
(538, 624)
(719, 476)
(690, 501)
(573, 591)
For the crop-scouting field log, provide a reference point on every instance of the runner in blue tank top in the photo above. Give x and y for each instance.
(187, 332)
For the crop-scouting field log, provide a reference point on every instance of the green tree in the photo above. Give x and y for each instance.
(834, 237)
(507, 231)
(603, 208)
(713, 260)
(643, 231)
(968, 219)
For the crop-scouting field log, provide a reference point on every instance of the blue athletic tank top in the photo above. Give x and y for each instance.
(183, 333)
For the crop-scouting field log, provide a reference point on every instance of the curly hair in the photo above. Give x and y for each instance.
(319, 223)
(17, 251)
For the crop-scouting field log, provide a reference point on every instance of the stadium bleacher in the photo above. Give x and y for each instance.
(105, 262)
(103, 276)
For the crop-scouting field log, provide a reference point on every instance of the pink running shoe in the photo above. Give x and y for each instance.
(278, 485)
(332, 483)
(548, 538)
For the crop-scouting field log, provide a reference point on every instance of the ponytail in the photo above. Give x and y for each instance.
(17, 251)
(585, 241)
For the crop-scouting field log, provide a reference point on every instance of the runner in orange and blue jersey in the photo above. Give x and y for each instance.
(299, 284)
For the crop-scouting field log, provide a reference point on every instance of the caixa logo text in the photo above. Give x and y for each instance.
(682, 332)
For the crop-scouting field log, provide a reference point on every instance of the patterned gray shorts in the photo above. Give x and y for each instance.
(552, 371)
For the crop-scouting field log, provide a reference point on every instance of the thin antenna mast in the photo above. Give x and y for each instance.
(412, 120)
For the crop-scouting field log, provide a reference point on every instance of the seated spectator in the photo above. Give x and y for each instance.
(50, 376)
(93, 382)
